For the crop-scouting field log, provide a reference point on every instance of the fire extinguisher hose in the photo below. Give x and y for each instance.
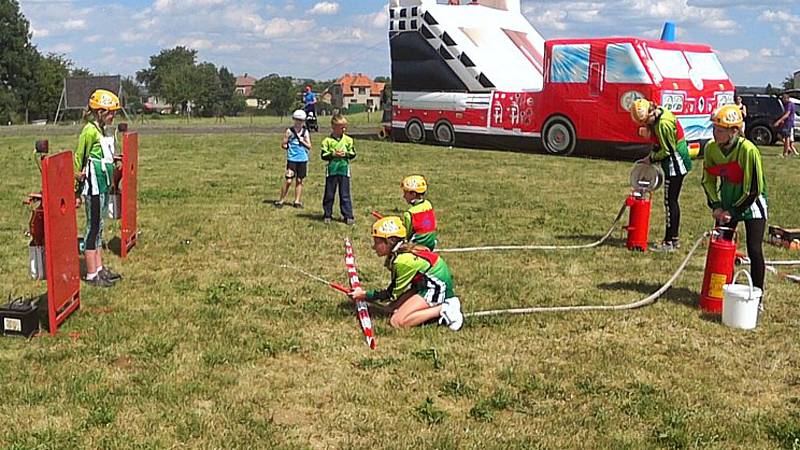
(540, 247)
(649, 300)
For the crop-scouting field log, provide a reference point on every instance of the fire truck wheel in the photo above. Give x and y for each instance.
(443, 133)
(559, 136)
(415, 131)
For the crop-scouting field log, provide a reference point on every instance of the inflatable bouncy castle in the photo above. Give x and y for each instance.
(478, 74)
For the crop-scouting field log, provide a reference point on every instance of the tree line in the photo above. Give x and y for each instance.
(31, 83)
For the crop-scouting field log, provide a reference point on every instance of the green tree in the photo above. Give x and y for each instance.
(38, 95)
(176, 86)
(80, 72)
(162, 66)
(133, 94)
(230, 101)
(207, 89)
(17, 56)
(277, 93)
(788, 83)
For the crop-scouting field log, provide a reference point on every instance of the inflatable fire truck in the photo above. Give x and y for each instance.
(478, 74)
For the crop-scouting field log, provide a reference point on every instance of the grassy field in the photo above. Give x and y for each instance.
(207, 343)
(171, 123)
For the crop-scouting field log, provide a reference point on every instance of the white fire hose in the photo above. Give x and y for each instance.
(649, 300)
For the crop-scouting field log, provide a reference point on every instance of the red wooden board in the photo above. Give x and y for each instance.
(61, 246)
(130, 172)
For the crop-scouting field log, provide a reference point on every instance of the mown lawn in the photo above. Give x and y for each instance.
(171, 123)
(208, 343)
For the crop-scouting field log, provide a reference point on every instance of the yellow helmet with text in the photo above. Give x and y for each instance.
(728, 116)
(389, 226)
(103, 99)
(414, 183)
(640, 110)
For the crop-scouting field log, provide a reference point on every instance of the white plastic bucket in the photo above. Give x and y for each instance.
(740, 303)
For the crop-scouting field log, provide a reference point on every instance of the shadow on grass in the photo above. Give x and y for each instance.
(115, 246)
(318, 217)
(681, 296)
(374, 310)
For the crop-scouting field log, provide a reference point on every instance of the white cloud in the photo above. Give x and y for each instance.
(93, 38)
(183, 5)
(39, 33)
(379, 19)
(194, 43)
(734, 56)
(325, 8)
(591, 18)
(75, 24)
(784, 21)
(228, 48)
(281, 27)
(62, 47)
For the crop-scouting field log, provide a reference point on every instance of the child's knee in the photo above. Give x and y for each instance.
(396, 321)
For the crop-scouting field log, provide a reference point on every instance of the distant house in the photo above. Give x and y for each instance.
(244, 86)
(153, 104)
(355, 89)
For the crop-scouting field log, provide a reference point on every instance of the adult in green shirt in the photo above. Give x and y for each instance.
(94, 174)
(735, 184)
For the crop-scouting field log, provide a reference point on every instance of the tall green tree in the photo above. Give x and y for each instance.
(230, 101)
(17, 56)
(277, 93)
(207, 89)
(162, 66)
(176, 86)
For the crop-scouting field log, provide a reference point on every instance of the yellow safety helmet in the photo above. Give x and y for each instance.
(103, 99)
(728, 116)
(640, 110)
(389, 226)
(414, 183)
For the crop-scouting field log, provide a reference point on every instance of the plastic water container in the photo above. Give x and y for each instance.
(37, 268)
(740, 303)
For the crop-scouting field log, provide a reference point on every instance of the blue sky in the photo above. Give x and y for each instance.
(758, 42)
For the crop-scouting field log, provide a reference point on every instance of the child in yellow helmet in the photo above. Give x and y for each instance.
(421, 281)
(672, 153)
(735, 184)
(94, 173)
(419, 219)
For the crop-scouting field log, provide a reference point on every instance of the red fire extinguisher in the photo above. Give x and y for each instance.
(638, 228)
(719, 268)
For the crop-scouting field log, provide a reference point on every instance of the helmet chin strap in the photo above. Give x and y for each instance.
(397, 246)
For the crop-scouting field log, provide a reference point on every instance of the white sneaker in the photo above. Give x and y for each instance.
(451, 314)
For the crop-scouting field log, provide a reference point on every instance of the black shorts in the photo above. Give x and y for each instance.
(296, 169)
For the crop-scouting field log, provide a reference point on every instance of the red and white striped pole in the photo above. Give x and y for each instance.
(361, 306)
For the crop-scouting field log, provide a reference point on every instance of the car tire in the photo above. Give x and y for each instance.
(761, 135)
(443, 133)
(415, 131)
(558, 136)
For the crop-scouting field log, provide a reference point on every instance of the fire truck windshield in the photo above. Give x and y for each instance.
(677, 64)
